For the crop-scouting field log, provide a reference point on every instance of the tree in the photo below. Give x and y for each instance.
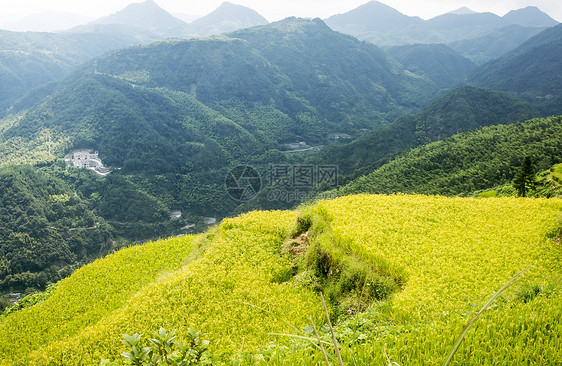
(525, 178)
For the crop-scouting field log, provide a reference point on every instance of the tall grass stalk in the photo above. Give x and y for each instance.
(484, 308)
(331, 330)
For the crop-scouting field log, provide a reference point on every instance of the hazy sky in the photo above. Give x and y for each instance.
(277, 9)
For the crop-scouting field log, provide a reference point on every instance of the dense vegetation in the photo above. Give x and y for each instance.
(55, 219)
(494, 44)
(467, 162)
(176, 115)
(252, 274)
(29, 60)
(463, 109)
(440, 63)
(532, 70)
(46, 229)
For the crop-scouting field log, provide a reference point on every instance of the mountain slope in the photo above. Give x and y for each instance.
(227, 17)
(438, 62)
(29, 60)
(494, 44)
(467, 162)
(311, 78)
(530, 16)
(463, 109)
(531, 70)
(175, 116)
(298, 67)
(46, 229)
(325, 65)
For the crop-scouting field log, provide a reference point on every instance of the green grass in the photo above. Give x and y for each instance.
(487, 194)
(556, 173)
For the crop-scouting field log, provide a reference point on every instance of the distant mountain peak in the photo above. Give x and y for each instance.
(530, 16)
(372, 16)
(227, 17)
(462, 11)
(147, 15)
(375, 6)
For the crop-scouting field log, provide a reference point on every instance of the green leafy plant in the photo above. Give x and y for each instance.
(164, 350)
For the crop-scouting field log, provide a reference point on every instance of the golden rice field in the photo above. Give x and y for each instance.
(453, 253)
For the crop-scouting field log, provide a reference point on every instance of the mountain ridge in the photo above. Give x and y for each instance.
(396, 28)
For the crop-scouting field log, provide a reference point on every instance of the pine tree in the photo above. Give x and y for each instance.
(525, 178)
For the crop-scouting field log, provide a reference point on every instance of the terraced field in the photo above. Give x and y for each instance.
(403, 275)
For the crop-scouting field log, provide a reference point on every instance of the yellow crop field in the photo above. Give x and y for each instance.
(455, 251)
(239, 283)
(211, 291)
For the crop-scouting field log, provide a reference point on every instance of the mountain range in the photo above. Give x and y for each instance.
(532, 70)
(530, 85)
(379, 23)
(30, 60)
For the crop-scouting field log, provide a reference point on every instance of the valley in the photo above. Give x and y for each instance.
(223, 173)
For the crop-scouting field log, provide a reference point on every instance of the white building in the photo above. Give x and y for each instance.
(87, 159)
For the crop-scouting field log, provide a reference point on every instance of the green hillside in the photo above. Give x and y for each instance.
(29, 60)
(494, 44)
(532, 70)
(547, 184)
(46, 229)
(294, 80)
(440, 63)
(463, 109)
(174, 116)
(467, 162)
(403, 271)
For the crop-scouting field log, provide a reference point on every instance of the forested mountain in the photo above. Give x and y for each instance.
(464, 109)
(445, 67)
(175, 115)
(29, 60)
(467, 162)
(532, 71)
(384, 26)
(314, 80)
(55, 218)
(46, 228)
(495, 43)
